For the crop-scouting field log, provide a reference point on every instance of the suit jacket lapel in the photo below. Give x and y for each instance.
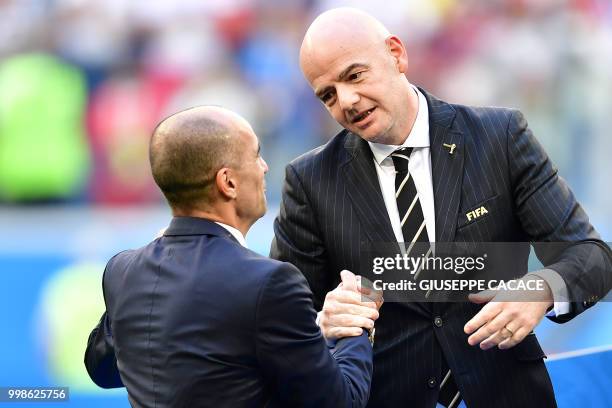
(447, 168)
(364, 190)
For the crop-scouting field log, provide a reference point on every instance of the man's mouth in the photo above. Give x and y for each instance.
(362, 115)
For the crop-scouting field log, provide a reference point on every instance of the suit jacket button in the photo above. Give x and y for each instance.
(438, 321)
(431, 383)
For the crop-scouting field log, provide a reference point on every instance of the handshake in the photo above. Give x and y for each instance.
(350, 308)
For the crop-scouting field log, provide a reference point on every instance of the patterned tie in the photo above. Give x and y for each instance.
(408, 203)
(414, 230)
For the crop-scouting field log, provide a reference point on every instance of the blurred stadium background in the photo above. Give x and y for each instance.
(83, 82)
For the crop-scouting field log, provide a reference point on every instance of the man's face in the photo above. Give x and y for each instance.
(359, 87)
(251, 199)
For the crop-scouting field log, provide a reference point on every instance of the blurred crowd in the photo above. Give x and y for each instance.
(83, 82)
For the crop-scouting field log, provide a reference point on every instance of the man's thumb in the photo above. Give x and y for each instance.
(482, 297)
(349, 280)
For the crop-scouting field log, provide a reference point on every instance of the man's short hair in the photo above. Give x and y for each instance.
(186, 151)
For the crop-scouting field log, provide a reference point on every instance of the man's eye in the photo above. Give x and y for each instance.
(326, 97)
(355, 76)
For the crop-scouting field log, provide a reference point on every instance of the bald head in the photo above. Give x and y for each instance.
(340, 29)
(358, 69)
(189, 147)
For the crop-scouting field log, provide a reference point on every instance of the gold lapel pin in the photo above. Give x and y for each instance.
(451, 147)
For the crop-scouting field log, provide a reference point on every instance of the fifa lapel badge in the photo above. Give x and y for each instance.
(478, 212)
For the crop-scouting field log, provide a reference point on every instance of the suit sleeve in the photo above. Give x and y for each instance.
(297, 238)
(294, 356)
(100, 359)
(564, 239)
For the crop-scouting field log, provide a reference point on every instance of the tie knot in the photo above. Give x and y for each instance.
(401, 157)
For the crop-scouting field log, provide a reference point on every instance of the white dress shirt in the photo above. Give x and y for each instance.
(235, 233)
(419, 167)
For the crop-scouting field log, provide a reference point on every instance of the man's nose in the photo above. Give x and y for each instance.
(265, 165)
(347, 97)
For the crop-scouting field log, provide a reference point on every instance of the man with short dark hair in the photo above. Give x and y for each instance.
(195, 319)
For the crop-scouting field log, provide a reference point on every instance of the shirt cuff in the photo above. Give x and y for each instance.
(561, 304)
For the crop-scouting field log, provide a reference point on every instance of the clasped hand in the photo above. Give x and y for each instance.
(350, 308)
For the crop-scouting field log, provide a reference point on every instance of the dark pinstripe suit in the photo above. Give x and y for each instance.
(333, 207)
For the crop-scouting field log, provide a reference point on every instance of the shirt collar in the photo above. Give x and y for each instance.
(235, 233)
(418, 136)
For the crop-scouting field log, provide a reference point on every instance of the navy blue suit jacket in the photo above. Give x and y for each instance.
(195, 320)
(333, 211)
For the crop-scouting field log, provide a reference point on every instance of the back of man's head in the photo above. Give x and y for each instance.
(186, 151)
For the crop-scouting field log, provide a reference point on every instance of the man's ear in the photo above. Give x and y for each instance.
(396, 48)
(225, 181)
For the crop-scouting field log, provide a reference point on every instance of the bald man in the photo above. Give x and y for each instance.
(195, 319)
(410, 168)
